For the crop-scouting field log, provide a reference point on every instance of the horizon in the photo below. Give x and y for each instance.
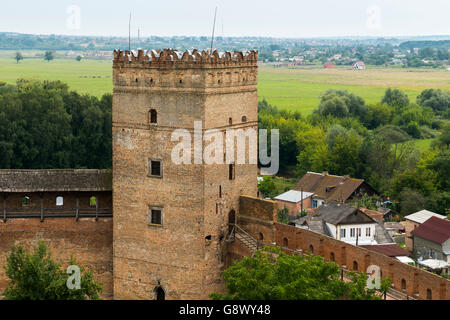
(286, 20)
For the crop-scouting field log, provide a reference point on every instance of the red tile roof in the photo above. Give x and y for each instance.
(390, 250)
(434, 229)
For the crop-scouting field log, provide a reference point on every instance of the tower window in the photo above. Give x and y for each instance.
(153, 116)
(155, 217)
(155, 167)
(244, 119)
(231, 171)
(230, 120)
(59, 201)
(220, 191)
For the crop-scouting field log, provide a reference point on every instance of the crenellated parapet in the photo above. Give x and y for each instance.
(190, 69)
(189, 58)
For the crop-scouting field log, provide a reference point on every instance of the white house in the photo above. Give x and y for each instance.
(359, 65)
(345, 223)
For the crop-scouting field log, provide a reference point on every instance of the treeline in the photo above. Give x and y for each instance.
(43, 125)
(374, 142)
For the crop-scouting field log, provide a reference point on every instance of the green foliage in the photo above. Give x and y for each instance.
(44, 125)
(18, 56)
(78, 58)
(267, 187)
(436, 99)
(340, 103)
(48, 56)
(274, 275)
(378, 115)
(283, 216)
(395, 98)
(35, 276)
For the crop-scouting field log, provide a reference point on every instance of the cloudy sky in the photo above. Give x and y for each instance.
(281, 18)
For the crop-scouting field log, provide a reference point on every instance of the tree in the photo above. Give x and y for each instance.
(267, 187)
(411, 201)
(18, 56)
(48, 56)
(78, 58)
(437, 99)
(35, 276)
(340, 103)
(283, 216)
(273, 275)
(395, 98)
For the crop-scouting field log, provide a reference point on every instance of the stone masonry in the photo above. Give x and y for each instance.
(184, 256)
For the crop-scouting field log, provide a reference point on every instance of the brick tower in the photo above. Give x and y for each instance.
(171, 220)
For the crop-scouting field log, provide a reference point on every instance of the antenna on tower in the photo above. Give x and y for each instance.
(129, 33)
(214, 28)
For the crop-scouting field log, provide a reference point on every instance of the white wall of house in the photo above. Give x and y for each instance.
(366, 236)
(332, 229)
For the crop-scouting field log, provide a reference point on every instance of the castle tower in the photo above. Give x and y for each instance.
(171, 220)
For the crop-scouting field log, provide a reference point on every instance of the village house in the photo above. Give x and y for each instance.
(326, 188)
(359, 65)
(345, 223)
(294, 201)
(413, 221)
(431, 240)
(328, 65)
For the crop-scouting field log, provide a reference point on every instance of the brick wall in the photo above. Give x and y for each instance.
(87, 240)
(417, 281)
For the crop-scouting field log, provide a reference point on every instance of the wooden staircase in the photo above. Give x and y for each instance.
(237, 233)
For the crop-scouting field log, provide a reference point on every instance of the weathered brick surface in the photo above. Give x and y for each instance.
(88, 241)
(417, 280)
(187, 253)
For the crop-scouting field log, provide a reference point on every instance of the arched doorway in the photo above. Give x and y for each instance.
(429, 294)
(231, 220)
(332, 258)
(403, 285)
(311, 249)
(260, 236)
(285, 242)
(355, 266)
(160, 293)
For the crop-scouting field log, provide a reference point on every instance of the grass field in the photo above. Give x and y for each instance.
(293, 89)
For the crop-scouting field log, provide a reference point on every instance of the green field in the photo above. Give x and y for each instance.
(293, 89)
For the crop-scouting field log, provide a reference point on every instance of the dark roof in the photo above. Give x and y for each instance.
(390, 250)
(338, 213)
(434, 229)
(339, 188)
(381, 234)
(55, 180)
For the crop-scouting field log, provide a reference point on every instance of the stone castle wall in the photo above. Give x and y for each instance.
(186, 254)
(87, 240)
(414, 282)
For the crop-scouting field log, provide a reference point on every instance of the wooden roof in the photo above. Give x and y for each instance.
(48, 180)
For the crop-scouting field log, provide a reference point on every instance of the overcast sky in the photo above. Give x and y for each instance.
(280, 18)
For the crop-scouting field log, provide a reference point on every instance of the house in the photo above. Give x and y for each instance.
(431, 240)
(294, 201)
(345, 223)
(391, 250)
(359, 65)
(413, 221)
(328, 65)
(328, 188)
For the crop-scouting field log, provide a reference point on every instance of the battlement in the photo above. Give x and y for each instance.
(189, 58)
